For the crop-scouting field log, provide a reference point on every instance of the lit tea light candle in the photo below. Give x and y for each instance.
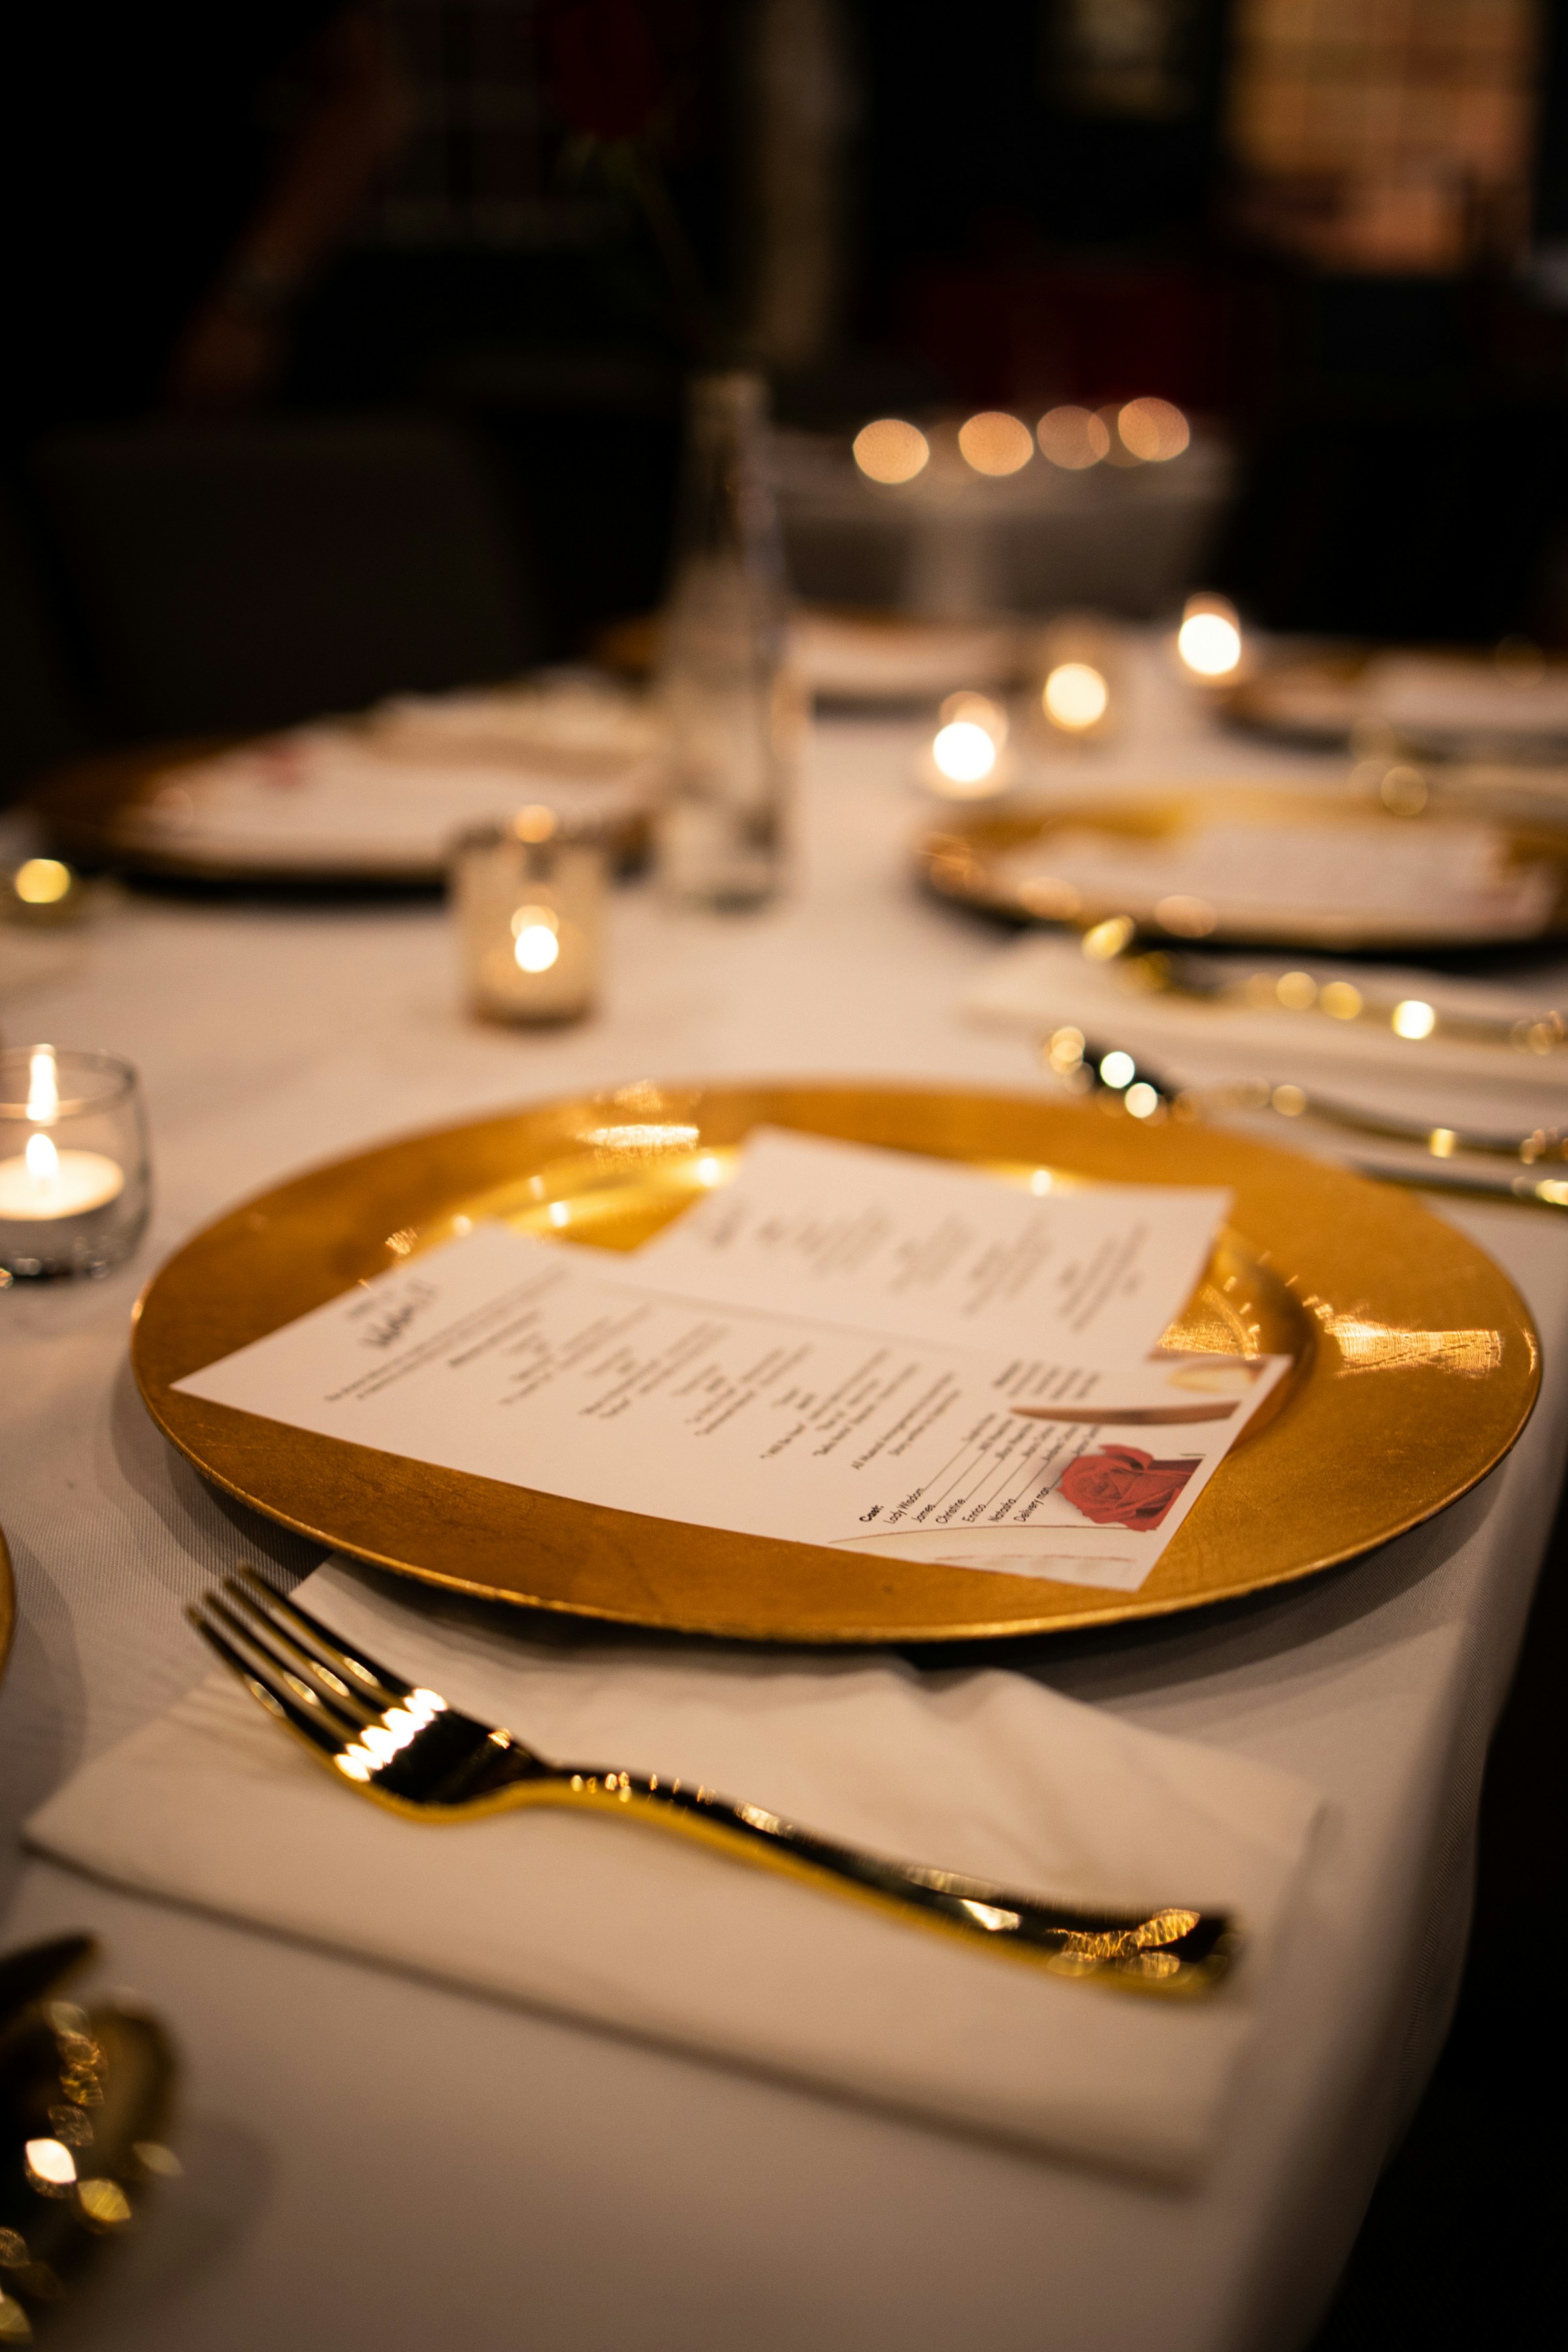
(42, 890)
(528, 899)
(74, 1196)
(1209, 639)
(45, 1182)
(966, 759)
(1075, 696)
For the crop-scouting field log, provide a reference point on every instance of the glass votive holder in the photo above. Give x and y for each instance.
(530, 902)
(1079, 688)
(75, 1184)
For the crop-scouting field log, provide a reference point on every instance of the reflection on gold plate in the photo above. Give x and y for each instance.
(1346, 1277)
(970, 855)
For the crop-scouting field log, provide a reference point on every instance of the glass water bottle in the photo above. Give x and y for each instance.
(727, 694)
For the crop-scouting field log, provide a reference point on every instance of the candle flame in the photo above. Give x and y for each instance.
(1209, 639)
(1076, 697)
(43, 1085)
(535, 931)
(43, 1163)
(964, 752)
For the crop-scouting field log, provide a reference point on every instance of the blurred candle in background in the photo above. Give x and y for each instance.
(966, 759)
(1078, 695)
(528, 898)
(74, 1188)
(1154, 431)
(1209, 639)
(889, 451)
(1072, 438)
(994, 443)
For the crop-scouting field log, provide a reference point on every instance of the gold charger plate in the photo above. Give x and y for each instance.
(1416, 1361)
(963, 860)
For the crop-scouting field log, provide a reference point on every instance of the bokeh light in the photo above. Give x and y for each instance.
(1414, 1018)
(1154, 430)
(964, 753)
(995, 443)
(1209, 639)
(41, 881)
(889, 450)
(1075, 696)
(1073, 438)
(535, 931)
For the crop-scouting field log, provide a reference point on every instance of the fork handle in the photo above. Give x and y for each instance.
(1173, 1949)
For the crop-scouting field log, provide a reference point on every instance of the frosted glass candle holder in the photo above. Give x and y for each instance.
(75, 1185)
(530, 901)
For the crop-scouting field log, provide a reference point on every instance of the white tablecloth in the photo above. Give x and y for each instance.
(374, 2161)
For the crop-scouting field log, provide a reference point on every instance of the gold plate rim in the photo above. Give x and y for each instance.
(955, 860)
(1337, 1242)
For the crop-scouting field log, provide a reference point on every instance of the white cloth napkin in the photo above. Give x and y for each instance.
(980, 1770)
(1042, 981)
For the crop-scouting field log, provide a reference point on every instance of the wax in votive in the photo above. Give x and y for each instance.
(52, 1183)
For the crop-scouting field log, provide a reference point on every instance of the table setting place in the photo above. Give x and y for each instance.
(924, 1436)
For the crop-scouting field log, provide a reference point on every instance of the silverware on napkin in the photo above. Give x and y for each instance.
(1199, 979)
(1088, 1068)
(406, 1748)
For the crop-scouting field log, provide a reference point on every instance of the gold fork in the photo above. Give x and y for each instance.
(405, 1748)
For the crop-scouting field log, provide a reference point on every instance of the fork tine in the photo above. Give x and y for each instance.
(268, 1691)
(382, 1684)
(267, 1634)
(345, 1722)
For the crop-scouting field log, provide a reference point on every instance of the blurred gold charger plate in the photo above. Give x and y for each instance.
(972, 856)
(1416, 1361)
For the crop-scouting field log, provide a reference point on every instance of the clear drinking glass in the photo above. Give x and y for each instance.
(75, 1181)
(730, 701)
(530, 901)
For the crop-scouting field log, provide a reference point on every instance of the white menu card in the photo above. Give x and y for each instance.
(886, 1240)
(568, 1372)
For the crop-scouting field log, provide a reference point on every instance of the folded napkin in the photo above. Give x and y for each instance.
(981, 1771)
(1044, 981)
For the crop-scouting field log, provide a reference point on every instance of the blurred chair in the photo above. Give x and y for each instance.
(248, 575)
(39, 724)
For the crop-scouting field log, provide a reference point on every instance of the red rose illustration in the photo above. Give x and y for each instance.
(1122, 1487)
